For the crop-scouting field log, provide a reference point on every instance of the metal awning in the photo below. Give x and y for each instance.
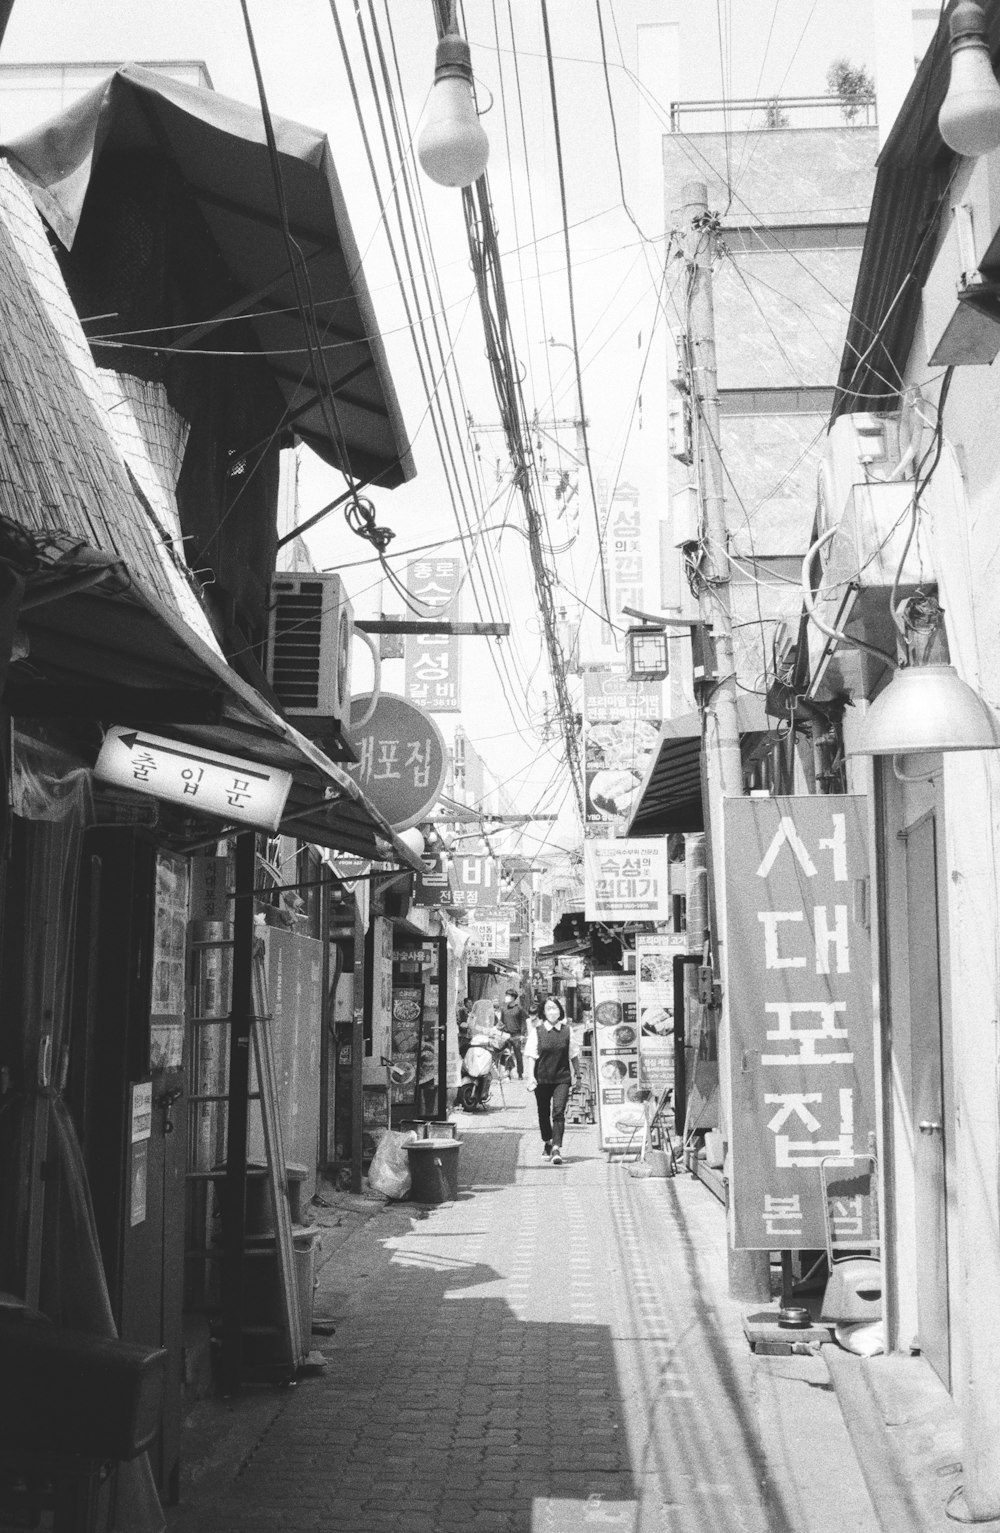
(670, 796)
(111, 652)
(219, 149)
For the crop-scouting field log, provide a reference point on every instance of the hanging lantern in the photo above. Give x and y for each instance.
(646, 657)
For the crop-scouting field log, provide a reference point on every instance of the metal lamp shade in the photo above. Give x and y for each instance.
(924, 709)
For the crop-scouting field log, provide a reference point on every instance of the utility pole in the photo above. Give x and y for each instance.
(749, 1271)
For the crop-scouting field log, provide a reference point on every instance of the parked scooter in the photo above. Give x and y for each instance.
(482, 1057)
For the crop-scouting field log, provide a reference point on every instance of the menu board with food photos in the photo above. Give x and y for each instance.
(620, 1092)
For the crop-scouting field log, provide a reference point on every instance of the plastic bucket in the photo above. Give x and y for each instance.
(434, 1170)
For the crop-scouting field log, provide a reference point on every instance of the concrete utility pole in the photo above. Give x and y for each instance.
(749, 1271)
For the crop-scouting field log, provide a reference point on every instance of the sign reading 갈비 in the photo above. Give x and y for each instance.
(244, 791)
(800, 1008)
(401, 758)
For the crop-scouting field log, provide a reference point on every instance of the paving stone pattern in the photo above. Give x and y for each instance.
(554, 1351)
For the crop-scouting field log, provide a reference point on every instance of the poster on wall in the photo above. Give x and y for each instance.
(170, 918)
(378, 1040)
(799, 981)
(620, 1092)
(626, 880)
(407, 1041)
(654, 974)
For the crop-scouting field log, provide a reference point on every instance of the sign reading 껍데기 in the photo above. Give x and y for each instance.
(800, 1010)
(244, 791)
(626, 880)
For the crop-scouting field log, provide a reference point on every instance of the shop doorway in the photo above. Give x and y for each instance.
(928, 1095)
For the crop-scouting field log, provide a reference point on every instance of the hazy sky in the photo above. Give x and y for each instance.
(736, 47)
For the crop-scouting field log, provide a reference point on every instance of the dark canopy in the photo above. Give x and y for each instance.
(217, 150)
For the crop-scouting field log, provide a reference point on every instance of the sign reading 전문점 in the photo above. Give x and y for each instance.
(231, 789)
(800, 1016)
(401, 758)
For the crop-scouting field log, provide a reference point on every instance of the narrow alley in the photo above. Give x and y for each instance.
(553, 1351)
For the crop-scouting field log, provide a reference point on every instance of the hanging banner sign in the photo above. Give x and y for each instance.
(620, 1093)
(626, 880)
(800, 1009)
(624, 555)
(432, 659)
(200, 779)
(654, 973)
(621, 727)
(491, 938)
(401, 758)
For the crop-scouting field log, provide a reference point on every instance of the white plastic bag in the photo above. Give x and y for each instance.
(389, 1172)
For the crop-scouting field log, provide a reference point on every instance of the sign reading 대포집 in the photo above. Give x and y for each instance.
(800, 1009)
(626, 880)
(401, 758)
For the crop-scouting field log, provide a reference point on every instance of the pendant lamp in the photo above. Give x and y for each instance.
(924, 709)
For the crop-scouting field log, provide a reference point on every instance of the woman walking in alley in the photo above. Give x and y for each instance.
(553, 1058)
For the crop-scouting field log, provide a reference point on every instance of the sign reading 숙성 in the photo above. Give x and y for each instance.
(800, 1009)
(626, 880)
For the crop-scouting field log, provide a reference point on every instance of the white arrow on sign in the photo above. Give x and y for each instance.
(200, 779)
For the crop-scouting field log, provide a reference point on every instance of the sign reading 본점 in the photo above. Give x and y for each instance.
(620, 1094)
(626, 880)
(800, 1007)
(432, 659)
(200, 779)
(401, 758)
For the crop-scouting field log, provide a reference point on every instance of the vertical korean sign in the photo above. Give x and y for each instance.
(432, 659)
(800, 1006)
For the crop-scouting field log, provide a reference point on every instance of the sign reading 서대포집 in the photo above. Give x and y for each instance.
(800, 1009)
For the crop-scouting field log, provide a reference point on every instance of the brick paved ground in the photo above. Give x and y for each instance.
(553, 1352)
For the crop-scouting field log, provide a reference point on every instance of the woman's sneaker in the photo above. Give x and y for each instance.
(557, 1159)
(547, 1150)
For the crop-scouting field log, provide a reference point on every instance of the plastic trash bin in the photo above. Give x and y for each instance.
(434, 1170)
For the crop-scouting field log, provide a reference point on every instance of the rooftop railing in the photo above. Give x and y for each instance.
(761, 113)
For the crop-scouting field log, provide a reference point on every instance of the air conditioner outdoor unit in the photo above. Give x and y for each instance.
(309, 655)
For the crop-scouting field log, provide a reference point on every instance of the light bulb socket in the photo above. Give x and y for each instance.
(453, 59)
(967, 25)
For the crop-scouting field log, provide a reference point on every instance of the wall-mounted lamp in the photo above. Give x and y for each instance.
(969, 119)
(926, 707)
(451, 146)
(646, 654)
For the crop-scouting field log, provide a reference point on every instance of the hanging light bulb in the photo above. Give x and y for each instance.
(451, 146)
(969, 120)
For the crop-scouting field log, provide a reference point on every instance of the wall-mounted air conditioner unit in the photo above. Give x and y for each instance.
(309, 655)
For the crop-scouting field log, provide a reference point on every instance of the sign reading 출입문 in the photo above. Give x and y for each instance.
(247, 792)
(626, 880)
(800, 1007)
